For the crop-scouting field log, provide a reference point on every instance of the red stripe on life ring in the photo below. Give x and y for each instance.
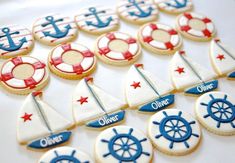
(30, 82)
(16, 61)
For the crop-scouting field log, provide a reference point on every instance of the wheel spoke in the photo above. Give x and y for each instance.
(118, 149)
(228, 112)
(215, 107)
(133, 149)
(129, 153)
(180, 134)
(171, 123)
(183, 130)
(123, 153)
(216, 112)
(225, 114)
(117, 144)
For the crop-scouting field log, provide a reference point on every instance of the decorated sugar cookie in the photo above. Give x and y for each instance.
(174, 6)
(94, 107)
(15, 40)
(137, 11)
(123, 144)
(190, 76)
(39, 125)
(97, 20)
(71, 61)
(22, 75)
(145, 91)
(117, 48)
(54, 29)
(65, 154)
(174, 132)
(216, 112)
(195, 26)
(159, 38)
(222, 58)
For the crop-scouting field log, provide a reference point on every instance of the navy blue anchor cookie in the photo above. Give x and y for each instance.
(54, 29)
(65, 155)
(174, 132)
(216, 112)
(97, 20)
(137, 11)
(123, 144)
(15, 40)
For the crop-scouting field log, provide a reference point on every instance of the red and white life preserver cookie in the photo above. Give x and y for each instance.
(196, 26)
(9, 78)
(117, 48)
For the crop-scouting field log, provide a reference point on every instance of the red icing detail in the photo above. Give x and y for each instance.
(66, 47)
(111, 36)
(131, 41)
(7, 76)
(172, 32)
(26, 117)
(206, 20)
(37, 93)
(153, 26)
(135, 84)
(56, 61)
(148, 39)
(207, 33)
(30, 82)
(89, 79)
(104, 51)
(16, 61)
(127, 55)
(169, 45)
(38, 65)
(139, 65)
(181, 52)
(220, 57)
(185, 28)
(180, 70)
(78, 69)
(83, 100)
(87, 53)
(217, 40)
(188, 15)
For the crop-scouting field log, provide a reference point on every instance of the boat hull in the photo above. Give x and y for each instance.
(231, 75)
(203, 88)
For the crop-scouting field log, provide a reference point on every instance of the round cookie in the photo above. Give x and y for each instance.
(174, 6)
(216, 112)
(137, 11)
(97, 20)
(71, 61)
(54, 29)
(159, 38)
(65, 155)
(117, 48)
(174, 132)
(122, 144)
(15, 40)
(22, 75)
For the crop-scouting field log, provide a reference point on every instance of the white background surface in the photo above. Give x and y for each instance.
(213, 148)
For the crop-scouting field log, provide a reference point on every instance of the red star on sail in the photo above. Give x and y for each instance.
(136, 85)
(220, 57)
(83, 100)
(180, 70)
(26, 117)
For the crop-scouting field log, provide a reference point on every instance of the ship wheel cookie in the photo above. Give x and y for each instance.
(123, 144)
(216, 112)
(195, 26)
(15, 40)
(174, 132)
(159, 38)
(71, 61)
(117, 48)
(137, 11)
(54, 29)
(65, 154)
(97, 20)
(22, 75)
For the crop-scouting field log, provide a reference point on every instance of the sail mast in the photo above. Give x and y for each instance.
(225, 50)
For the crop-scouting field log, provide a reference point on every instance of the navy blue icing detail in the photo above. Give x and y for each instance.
(177, 4)
(231, 75)
(125, 147)
(58, 33)
(141, 13)
(203, 88)
(221, 110)
(12, 46)
(158, 104)
(175, 129)
(99, 23)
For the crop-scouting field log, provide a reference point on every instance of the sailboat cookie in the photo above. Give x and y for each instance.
(97, 20)
(54, 29)
(96, 108)
(137, 11)
(39, 125)
(146, 92)
(222, 58)
(15, 40)
(190, 76)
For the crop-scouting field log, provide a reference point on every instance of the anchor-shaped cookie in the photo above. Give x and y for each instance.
(100, 23)
(58, 33)
(178, 4)
(141, 13)
(12, 45)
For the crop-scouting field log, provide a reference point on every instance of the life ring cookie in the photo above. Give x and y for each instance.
(97, 20)
(123, 144)
(117, 48)
(195, 26)
(22, 75)
(15, 40)
(174, 132)
(54, 29)
(71, 61)
(159, 38)
(216, 112)
(65, 154)
(137, 11)
(174, 6)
